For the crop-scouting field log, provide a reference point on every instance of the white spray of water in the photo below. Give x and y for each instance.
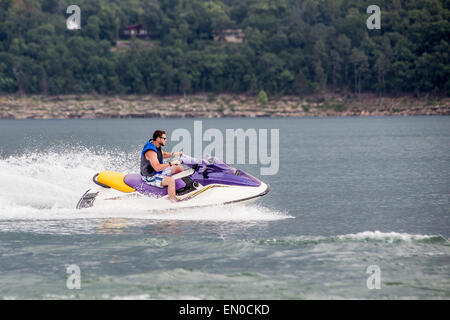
(386, 236)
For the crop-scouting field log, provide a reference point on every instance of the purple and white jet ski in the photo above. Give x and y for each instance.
(203, 183)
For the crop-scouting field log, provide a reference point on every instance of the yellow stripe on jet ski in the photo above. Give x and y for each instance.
(200, 191)
(114, 180)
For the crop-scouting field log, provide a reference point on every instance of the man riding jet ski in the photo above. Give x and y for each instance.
(153, 170)
(204, 183)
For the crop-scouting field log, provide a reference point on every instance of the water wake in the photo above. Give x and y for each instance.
(365, 236)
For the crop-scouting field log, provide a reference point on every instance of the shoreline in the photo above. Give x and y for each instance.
(215, 106)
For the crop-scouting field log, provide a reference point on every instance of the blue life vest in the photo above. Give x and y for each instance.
(146, 167)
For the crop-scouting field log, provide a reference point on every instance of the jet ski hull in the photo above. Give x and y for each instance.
(205, 184)
(206, 196)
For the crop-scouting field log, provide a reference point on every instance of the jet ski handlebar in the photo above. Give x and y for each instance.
(190, 161)
(187, 160)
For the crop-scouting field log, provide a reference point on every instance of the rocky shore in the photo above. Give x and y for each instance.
(214, 106)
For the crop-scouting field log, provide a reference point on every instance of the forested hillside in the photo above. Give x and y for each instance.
(290, 47)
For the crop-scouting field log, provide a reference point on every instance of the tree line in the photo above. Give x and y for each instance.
(290, 47)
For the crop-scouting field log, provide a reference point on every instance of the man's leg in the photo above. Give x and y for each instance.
(170, 183)
(176, 169)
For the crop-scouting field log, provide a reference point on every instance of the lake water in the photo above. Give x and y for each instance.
(350, 193)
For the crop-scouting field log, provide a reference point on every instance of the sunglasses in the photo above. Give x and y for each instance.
(165, 138)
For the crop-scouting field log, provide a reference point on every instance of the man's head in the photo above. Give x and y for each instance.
(159, 136)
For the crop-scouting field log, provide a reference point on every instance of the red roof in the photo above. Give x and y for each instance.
(133, 26)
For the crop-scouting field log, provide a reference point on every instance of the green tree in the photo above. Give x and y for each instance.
(360, 66)
(262, 98)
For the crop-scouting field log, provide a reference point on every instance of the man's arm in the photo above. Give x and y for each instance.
(167, 154)
(171, 154)
(151, 156)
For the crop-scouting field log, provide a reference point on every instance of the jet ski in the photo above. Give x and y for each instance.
(203, 183)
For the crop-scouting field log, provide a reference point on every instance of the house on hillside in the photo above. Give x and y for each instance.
(134, 30)
(229, 35)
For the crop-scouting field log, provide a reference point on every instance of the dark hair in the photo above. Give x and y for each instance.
(157, 134)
